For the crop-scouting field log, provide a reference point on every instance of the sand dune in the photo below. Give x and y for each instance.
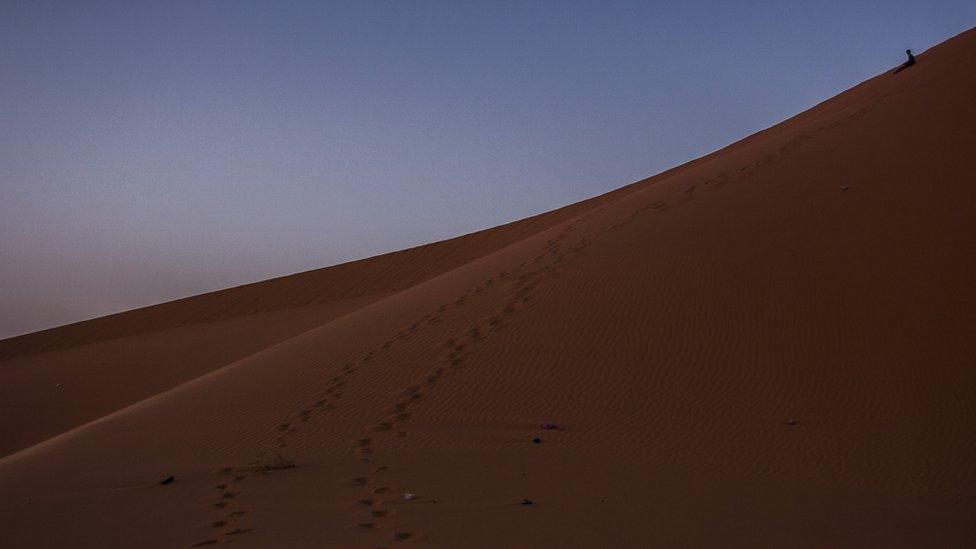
(770, 345)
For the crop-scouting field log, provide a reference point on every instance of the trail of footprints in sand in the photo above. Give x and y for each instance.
(269, 461)
(522, 282)
(378, 497)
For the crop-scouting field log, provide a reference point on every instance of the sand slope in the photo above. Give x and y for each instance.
(821, 271)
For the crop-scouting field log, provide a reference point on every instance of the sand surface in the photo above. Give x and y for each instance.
(772, 345)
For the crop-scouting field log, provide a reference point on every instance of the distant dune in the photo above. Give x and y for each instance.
(772, 345)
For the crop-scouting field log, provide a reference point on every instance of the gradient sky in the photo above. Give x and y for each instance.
(151, 151)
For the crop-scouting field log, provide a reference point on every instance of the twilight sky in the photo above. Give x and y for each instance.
(151, 151)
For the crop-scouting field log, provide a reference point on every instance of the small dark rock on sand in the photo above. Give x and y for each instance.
(528, 502)
(536, 440)
(792, 422)
(168, 480)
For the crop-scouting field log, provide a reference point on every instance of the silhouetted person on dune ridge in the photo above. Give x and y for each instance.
(906, 64)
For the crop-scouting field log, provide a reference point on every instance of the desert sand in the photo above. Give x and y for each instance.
(771, 345)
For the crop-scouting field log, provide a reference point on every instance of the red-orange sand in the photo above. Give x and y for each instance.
(821, 272)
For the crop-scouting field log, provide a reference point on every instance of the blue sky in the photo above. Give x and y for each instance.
(156, 150)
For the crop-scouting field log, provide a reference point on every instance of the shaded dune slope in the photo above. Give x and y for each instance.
(770, 345)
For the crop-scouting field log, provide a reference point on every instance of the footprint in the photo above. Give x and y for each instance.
(202, 543)
(455, 353)
(381, 490)
(237, 531)
(402, 536)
